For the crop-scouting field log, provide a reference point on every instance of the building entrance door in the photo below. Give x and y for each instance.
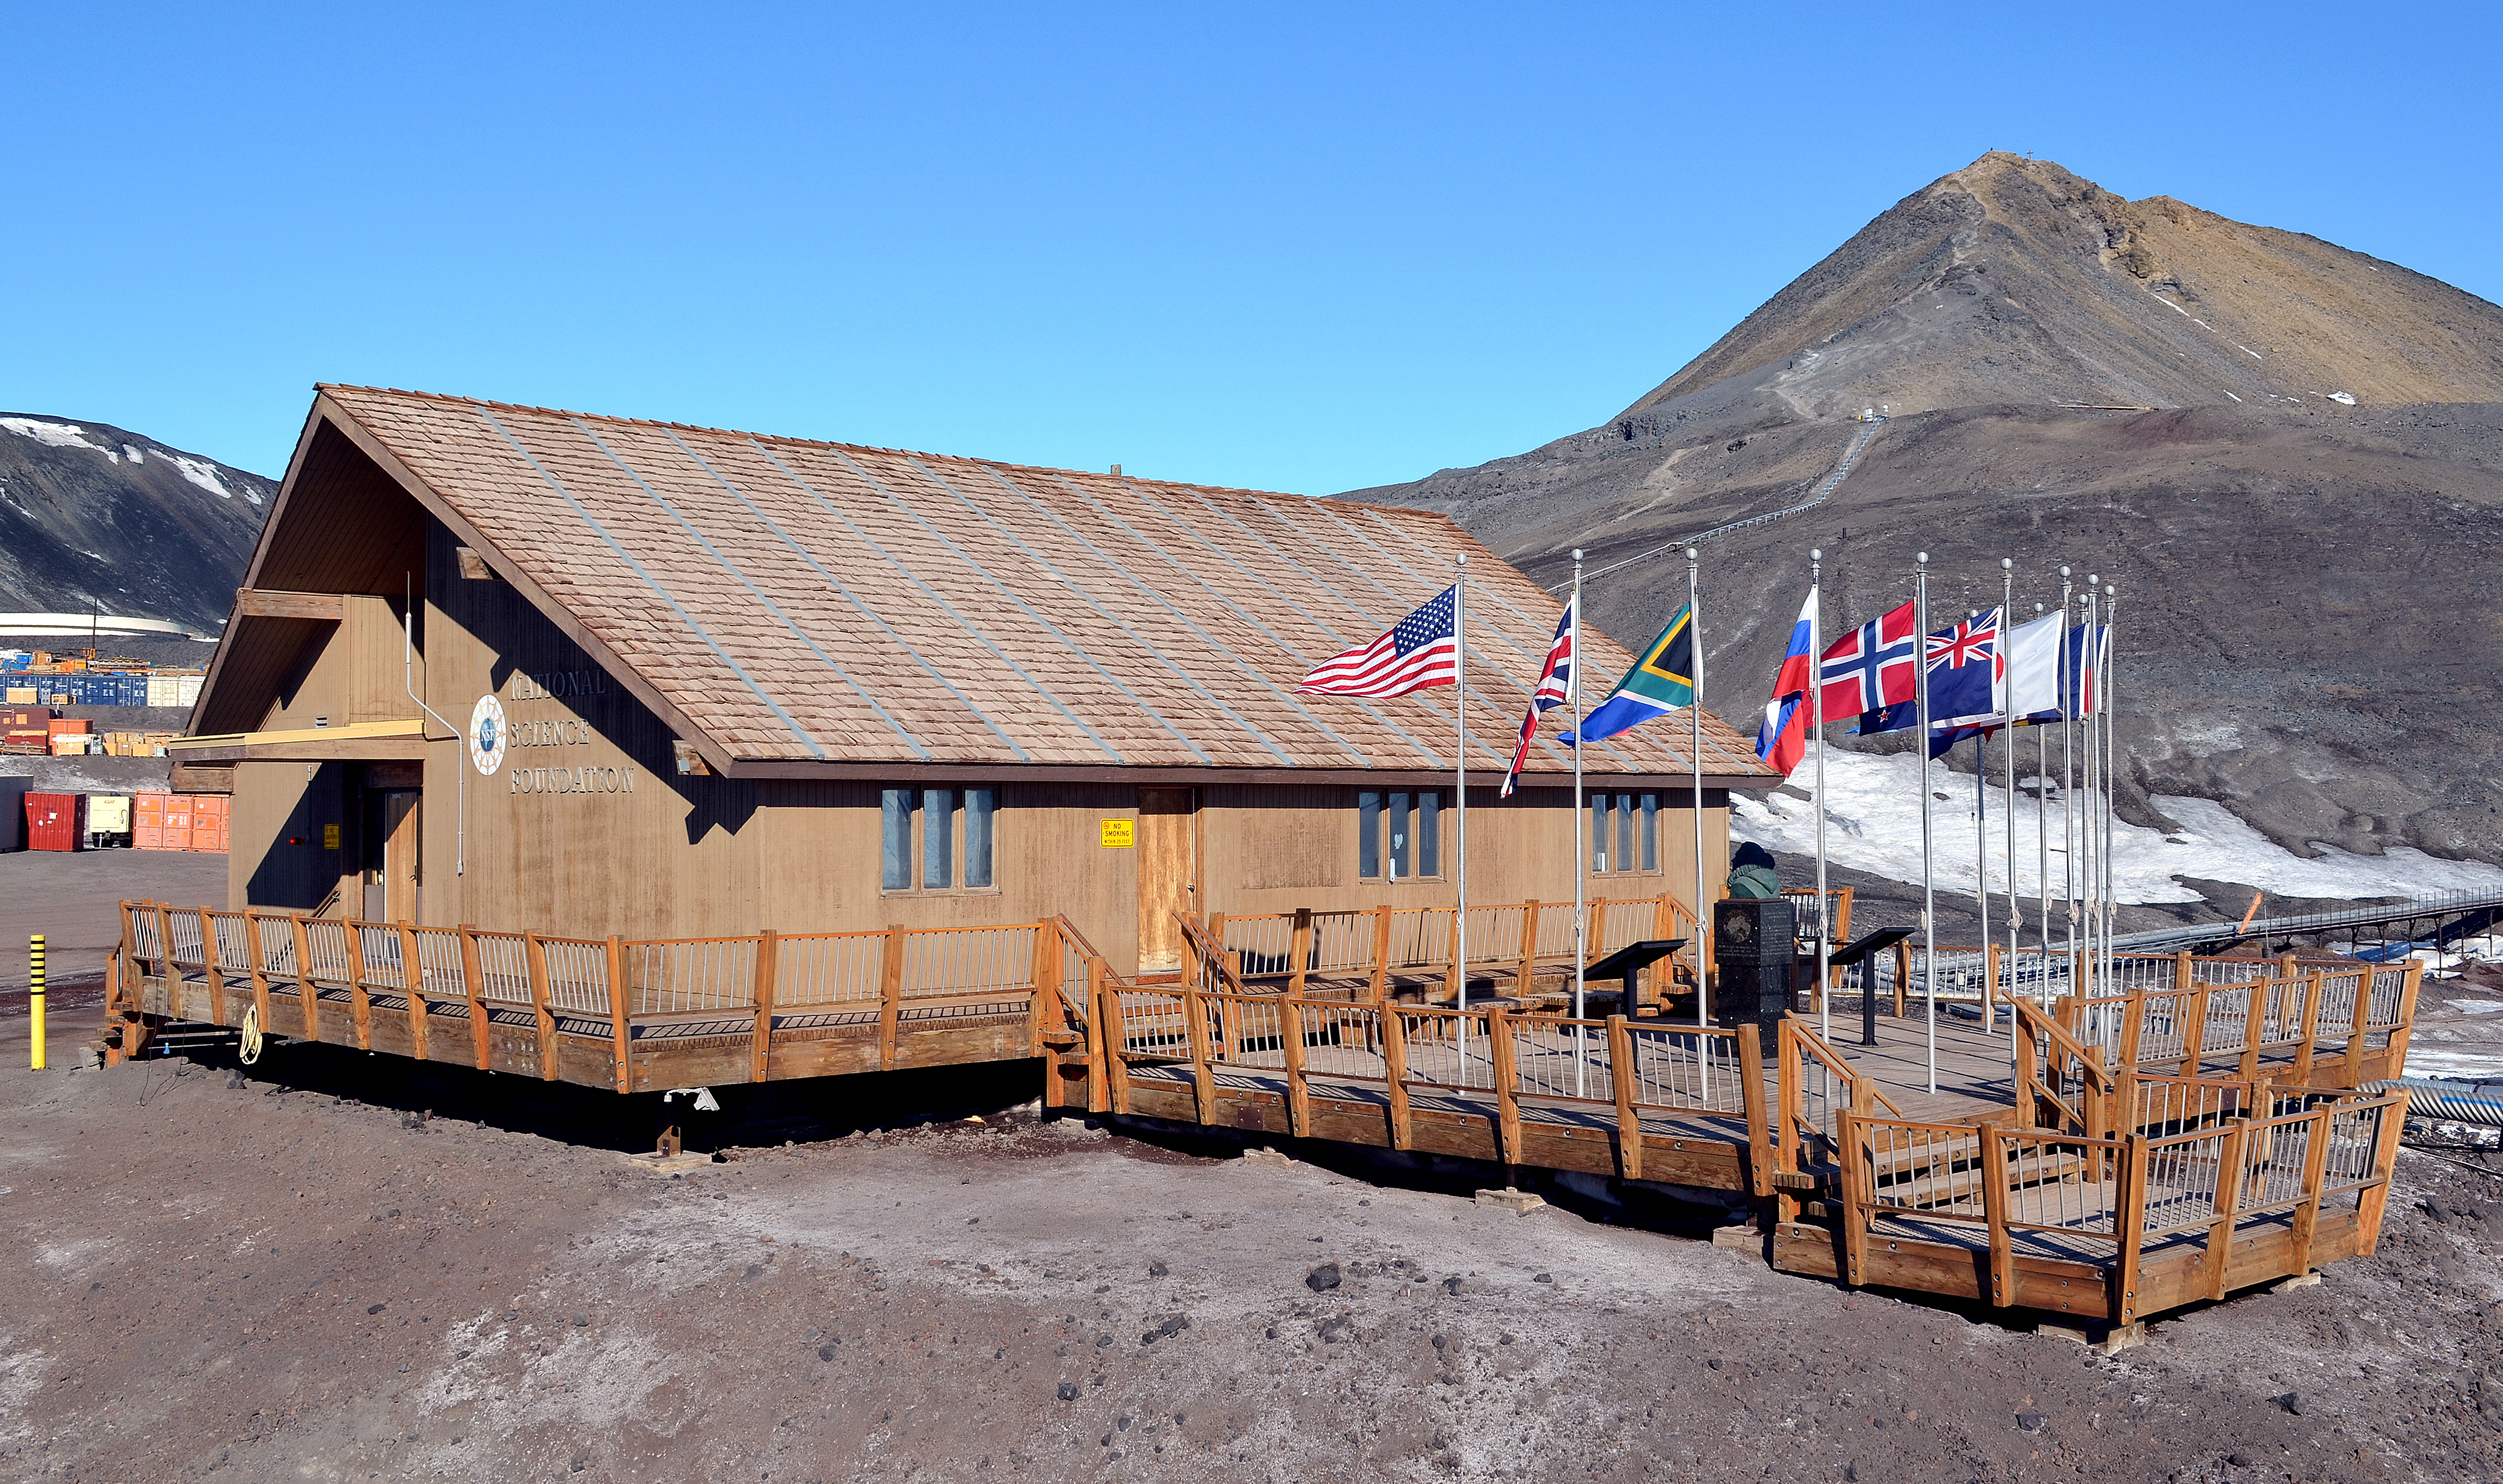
(392, 869)
(1168, 873)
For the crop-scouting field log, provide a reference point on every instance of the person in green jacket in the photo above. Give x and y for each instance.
(1753, 874)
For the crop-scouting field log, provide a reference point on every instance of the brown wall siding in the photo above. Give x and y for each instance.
(351, 672)
(561, 841)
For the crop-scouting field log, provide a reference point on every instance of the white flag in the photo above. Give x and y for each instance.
(2034, 667)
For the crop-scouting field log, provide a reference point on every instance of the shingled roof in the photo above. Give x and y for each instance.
(802, 604)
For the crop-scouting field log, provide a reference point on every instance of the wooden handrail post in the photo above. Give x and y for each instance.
(1507, 1101)
(1291, 1042)
(2184, 975)
(2315, 991)
(1299, 949)
(2130, 1217)
(473, 981)
(412, 972)
(1623, 1075)
(1381, 984)
(2028, 1077)
(1203, 1074)
(535, 958)
(2097, 1109)
(308, 995)
(2193, 1013)
(890, 996)
(213, 971)
(1526, 975)
(360, 1005)
(1990, 984)
(1854, 1157)
(1456, 974)
(2411, 979)
(1902, 975)
(260, 967)
(1395, 1070)
(2316, 1168)
(1994, 1211)
(767, 978)
(1116, 1042)
(1751, 1095)
(1099, 1051)
(617, 1010)
(2386, 1157)
(1216, 941)
(2133, 1027)
(173, 970)
(2219, 1254)
(2256, 1025)
(1785, 1123)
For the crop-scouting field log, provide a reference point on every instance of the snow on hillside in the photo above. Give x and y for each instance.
(1874, 824)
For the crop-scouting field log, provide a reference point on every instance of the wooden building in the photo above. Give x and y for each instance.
(515, 668)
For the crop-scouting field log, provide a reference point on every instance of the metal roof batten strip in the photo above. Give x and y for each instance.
(587, 519)
(927, 591)
(770, 605)
(871, 614)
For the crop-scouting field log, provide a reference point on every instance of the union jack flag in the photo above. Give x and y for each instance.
(1554, 688)
(1870, 668)
(1966, 675)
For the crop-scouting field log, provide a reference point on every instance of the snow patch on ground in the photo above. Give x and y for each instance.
(55, 434)
(2422, 1062)
(136, 457)
(202, 473)
(1874, 824)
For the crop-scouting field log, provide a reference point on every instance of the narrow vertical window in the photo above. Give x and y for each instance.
(895, 840)
(1624, 831)
(1651, 832)
(1403, 864)
(1598, 833)
(1430, 834)
(978, 805)
(938, 837)
(1368, 835)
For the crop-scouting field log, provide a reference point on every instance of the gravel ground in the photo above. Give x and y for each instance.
(255, 1277)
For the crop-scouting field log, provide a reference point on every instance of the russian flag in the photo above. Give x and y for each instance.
(1782, 740)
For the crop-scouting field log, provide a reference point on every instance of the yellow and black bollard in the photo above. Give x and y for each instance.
(35, 996)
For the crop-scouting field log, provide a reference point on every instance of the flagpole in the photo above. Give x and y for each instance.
(2006, 667)
(2090, 773)
(1981, 849)
(2111, 787)
(2042, 822)
(1816, 730)
(1929, 892)
(1460, 785)
(1695, 704)
(1581, 855)
(2067, 785)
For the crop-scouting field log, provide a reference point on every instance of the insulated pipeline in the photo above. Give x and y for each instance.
(2453, 1100)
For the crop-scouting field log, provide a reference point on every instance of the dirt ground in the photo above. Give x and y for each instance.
(290, 1273)
(71, 898)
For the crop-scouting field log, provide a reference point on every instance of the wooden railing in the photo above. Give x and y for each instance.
(2110, 1200)
(1814, 1086)
(1512, 1058)
(300, 970)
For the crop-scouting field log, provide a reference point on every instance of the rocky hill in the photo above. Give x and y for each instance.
(2287, 456)
(89, 511)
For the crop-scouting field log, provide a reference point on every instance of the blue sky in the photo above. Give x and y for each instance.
(1303, 249)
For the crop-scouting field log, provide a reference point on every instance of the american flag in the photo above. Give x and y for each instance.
(1422, 651)
(1554, 688)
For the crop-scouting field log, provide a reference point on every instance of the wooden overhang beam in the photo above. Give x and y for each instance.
(271, 603)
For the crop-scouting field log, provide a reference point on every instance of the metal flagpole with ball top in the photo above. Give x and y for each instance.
(1921, 752)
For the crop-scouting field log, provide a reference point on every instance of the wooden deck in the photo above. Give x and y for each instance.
(2192, 1128)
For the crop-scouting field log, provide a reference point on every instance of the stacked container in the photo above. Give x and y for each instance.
(209, 815)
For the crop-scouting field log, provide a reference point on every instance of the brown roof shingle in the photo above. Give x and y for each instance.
(803, 601)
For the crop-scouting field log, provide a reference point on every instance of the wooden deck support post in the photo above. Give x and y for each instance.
(211, 969)
(2315, 1169)
(413, 972)
(1395, 1070)
(535, 958)
(2219, 1253)
(769, 969)
(307, 995)
(1381, 984)
(1507, 1102)
(1761, 1158)
(2130, 1186)
(890, 996)
(1622, 1074)
(473, 981)
(1291, 1043)
(1299, 949)
(1994, 1211)
(1203, 1075)
(260, 967)
(617, 1026)
(2376, 1199)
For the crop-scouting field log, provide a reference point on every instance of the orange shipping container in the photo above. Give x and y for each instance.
(60, 726)
(148, 837)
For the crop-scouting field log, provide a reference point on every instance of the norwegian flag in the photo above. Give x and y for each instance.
(1870, 668)
(1554, 688)
(1966, 680)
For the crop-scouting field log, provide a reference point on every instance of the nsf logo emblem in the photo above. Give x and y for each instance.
(487, 734)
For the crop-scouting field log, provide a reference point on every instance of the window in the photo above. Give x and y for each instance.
(1400, 830)
(1625, 833)
(952, 848)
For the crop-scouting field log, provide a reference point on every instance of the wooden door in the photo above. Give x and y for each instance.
(399, 864)
(1168, 873)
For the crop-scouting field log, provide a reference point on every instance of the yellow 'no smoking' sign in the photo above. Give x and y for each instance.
(1120, 834)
